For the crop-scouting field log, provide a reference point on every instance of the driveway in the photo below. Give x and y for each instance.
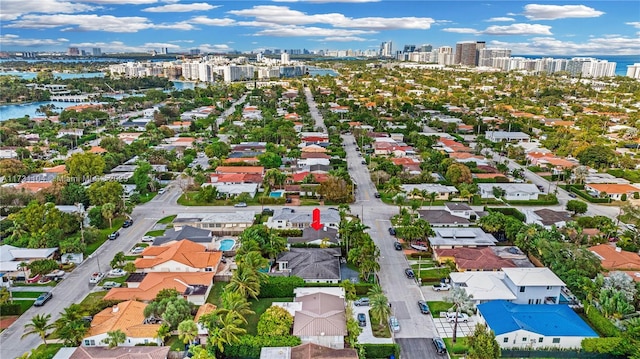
(366, 337)
(445, 329)
(418, 348)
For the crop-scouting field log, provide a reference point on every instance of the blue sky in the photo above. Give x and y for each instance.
(556, 28)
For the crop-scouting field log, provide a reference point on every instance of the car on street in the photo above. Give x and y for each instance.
(409, 273)
(394, 325)
(361, 302)
(268, 211)
(148, 238)
(117, 272)
(42, 299)
(397, 246)
(376, 195)
(162, 190)
(363, 162)
(114, 235)
(241, 204)
(438, 343)
(362, 320)
(96, 277)
(392, 231)
(111, 284)
(462, 317)
(441, 287)
(572, 195)
(424, 308)
(137, 250)
(128, 223)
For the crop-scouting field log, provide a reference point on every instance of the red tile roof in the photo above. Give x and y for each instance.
(185, 252)
(475, 258)
(240, 169)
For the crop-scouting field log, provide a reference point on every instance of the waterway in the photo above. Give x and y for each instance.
(62, 75)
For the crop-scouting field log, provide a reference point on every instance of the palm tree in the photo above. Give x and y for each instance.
(254, 261)
(188, 331)
(380, 309)
(71, 328)
(223, 329)
(163, 332)
(375, 289)
(39, 325)
(108, 210)
(245, 281)
(462, 302)
(114, 338)
(234, 302)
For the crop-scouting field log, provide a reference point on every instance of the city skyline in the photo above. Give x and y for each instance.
(534, 28)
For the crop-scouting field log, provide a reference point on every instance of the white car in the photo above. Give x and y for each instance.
(148, 238)
(137, 250)
(441, 286)
(162, 190)
(118, 272)
(111, 284)
(96, 277)
(462, 317)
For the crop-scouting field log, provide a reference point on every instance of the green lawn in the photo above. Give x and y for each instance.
(167, 219)
(260, 306)
(379, 331)
(45, 351)
(458, 349)
(117, 223)
(24, 305)
(215, 293)
(187, 199)
(147, 197)
(309, 202)
(92, 298)
(175, 343)
(434, 273)
(439, 306)
(156, 233)
(26, 294)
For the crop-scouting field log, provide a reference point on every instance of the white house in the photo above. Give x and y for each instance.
(285, 218)
(499, 136)
(442, 192)
(537, 285)
(512, 191)
(534, 326)
(126, 316)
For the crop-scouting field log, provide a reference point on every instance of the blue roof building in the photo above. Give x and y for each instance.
(534, 326)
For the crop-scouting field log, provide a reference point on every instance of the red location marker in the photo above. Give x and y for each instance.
(315, 221)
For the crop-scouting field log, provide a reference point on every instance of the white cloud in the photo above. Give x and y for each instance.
(518, 29)
(283, 15)
(15, 40)
(119, 46)
(554, 12)
(198, 6)
(214, 48)
(461, 30)
(119, 2)
(93, 22)
(297, 31)
(500, 19)
(550, 46)
(329, 1)
(342, 39)
(635, 24)
(13, 9)
(203, 20)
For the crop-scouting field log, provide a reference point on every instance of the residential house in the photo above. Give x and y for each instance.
(614, 191)
(613, 258)
(197, 235)
(313, 148)
(410, 165)
(307, 351)
(548, 218)
(534, 326)
(534, 285)
(483, 286)
(460, 237)
(180, 256)
(194, 286)
(11, 257)
(321, 321)
(137, 352)
(472, 259)
(127, 317)
(512, 191)
(129, 137)
(316, 237)
(452, 214)
(287, 218)
(314, 265)
(75, 132)
(504, 136)
(313, 158)
(442, 192)
(203, 332)
(219, 223)
(465, 157)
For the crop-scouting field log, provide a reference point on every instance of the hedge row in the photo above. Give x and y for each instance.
(10, 309)
(600, 323)
(534, 203)
(280, 287)
(249, 346)
(603, 345)
(380, 351)
(579, 190)
(289, 232)
(509, 211)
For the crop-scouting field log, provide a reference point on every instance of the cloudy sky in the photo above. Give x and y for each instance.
(555, 28)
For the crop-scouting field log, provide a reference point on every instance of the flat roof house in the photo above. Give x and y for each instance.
(220, 223)
(500, 136)
(512, 191)
(461, 237)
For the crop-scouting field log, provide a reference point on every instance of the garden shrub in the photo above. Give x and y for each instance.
(600, 323)
(379, 351)
(10, 309)
(249, 346)
(280, 287)
(603, 345)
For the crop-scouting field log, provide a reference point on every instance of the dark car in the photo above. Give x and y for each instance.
(114, 235)
(409, 273)
(424, 308)
(362, 320)
(43, 298)
(127, 223)
(376, 195)
(267, 211)
(397, 246)
(572, 195)
(440, 347)
(392, 231)
(363, 162)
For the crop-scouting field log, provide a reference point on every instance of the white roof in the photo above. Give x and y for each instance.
(533, 277)
(218, 217)
(509, 187)
(471, 236)
(429, 187)
(483, 286)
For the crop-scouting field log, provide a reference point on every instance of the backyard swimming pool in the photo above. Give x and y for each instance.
(276, 194)
(227, 244)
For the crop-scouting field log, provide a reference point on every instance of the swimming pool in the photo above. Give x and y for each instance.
(276, 194)
(227, 244)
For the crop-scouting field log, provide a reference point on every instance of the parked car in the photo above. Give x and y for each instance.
(148, 238)
(127, 223)
(137, 250)
(462, 317)
(424, 308)
(114, 235)
(441, 348)
(392, 231)
(111, 284)
(394, 325)
(162, 190)
(118, 272)
(376, 195)
(363, 162)
(409, 273)
(572, 195)
(241, 204)
(268, 211)
(361, 302)
(397, 246)
(96, 277)
(362, 320)
(42, 299)
(441, 286)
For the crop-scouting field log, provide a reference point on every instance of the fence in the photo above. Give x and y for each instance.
(556, 354)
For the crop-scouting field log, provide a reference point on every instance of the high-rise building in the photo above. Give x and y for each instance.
(486, 56)
(73, 51)
(425, 48)
(409, 48)
(285, 58)
(633, 71)
(194, 52)
(467, 52)
(386, 49)
(96, 51)
(164, 50)
(445, 55)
